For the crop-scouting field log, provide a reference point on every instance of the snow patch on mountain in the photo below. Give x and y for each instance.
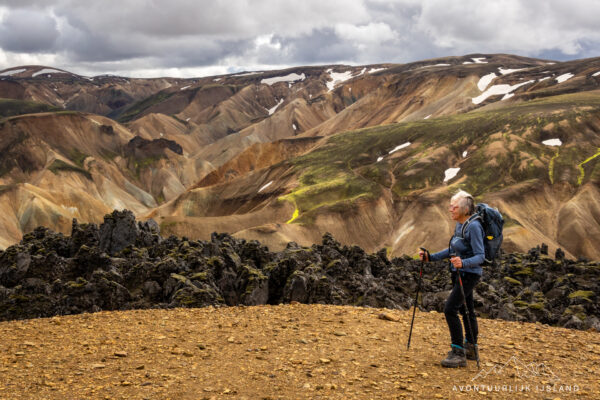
(479, 60)
(498, 89)
(264, 187)
(293, 77)
(552, 142)
(509, 71)
(399, 147)
(46, 71)
(564, 77)
(337, 77)
(12, 72)
(485, 81)
(373, 70)
(272, 109)
(450, 173)
(596, 74)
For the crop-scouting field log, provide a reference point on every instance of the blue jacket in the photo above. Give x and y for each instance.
(470, 248)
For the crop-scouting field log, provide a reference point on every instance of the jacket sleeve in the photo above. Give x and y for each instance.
(440, 255)
(475, 231)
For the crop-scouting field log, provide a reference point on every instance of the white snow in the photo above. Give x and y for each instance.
(375, 70)
(427, 117)
(552, 142)
(45, 71)
(362, 71)
(12, 72)
(187, 120)
(450, 173)
(379, 159)
(464, 154)
(509, 71)
(161, 134)
(498, 89)
(485, 81)
(564, 77)
(293, 77)
(247, 73)
(507, 96)
(264, 187)
(217, 79)
(478, 60)
(272, 109)
(550, 63)
(399, 147)
(185, 87)
(468, 62)
(596, 74)
(295, 127)
(337, 77)
(544, 78)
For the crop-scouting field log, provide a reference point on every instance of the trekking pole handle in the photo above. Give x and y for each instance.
(426, 253)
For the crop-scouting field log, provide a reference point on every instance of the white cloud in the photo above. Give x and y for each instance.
(366, 34)
(136, 37)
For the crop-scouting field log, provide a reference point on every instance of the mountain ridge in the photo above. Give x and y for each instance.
(224, 123)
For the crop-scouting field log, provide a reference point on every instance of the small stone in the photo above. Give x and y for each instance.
(140, 367)
(303, 341)
(19, 353)
(98, 366)
(388, 317)
(121, 353)
(201, 346)
(306, 386)
(324, 360)
(230, 339)
(125, 383)
(146, 384)
(339, 333)
(438, 396)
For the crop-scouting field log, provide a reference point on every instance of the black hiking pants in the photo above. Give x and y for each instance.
(455, 304)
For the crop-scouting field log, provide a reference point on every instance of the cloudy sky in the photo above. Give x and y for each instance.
(185, 38)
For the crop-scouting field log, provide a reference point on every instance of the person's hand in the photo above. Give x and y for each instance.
(457, 262)
(423, 255)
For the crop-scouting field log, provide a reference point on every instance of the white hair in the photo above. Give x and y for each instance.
(465, 202)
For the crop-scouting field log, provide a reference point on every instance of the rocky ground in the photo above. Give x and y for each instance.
(289, 351)
(124, 264)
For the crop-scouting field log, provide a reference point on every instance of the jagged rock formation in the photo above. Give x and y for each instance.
(127, 265)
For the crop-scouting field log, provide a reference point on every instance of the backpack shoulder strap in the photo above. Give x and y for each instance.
(467, 222)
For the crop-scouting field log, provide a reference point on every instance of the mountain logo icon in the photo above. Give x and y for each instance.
(522, 370)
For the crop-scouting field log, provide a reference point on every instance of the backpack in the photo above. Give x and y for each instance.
(492, 223)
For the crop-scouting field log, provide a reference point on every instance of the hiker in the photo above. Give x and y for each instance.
(466, 256)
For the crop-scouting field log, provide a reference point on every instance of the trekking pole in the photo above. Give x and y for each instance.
(468, 313)
(416, 298)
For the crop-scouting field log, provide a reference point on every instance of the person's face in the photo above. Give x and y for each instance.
(455, 211)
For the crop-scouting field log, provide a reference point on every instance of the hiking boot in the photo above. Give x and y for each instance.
(456, 358)
(470, 351)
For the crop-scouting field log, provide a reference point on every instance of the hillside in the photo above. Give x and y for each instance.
(286, 352)
(369, 153)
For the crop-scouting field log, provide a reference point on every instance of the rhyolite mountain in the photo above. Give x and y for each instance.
(370, 153)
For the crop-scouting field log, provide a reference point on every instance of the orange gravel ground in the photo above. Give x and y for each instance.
(286, 352)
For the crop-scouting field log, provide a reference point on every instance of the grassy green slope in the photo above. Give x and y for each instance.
(504, 147)
(10, 107)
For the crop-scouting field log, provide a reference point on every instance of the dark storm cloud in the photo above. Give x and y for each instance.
(134, 35)
(25, 31)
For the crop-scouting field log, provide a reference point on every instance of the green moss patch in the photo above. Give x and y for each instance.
(60, 165)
